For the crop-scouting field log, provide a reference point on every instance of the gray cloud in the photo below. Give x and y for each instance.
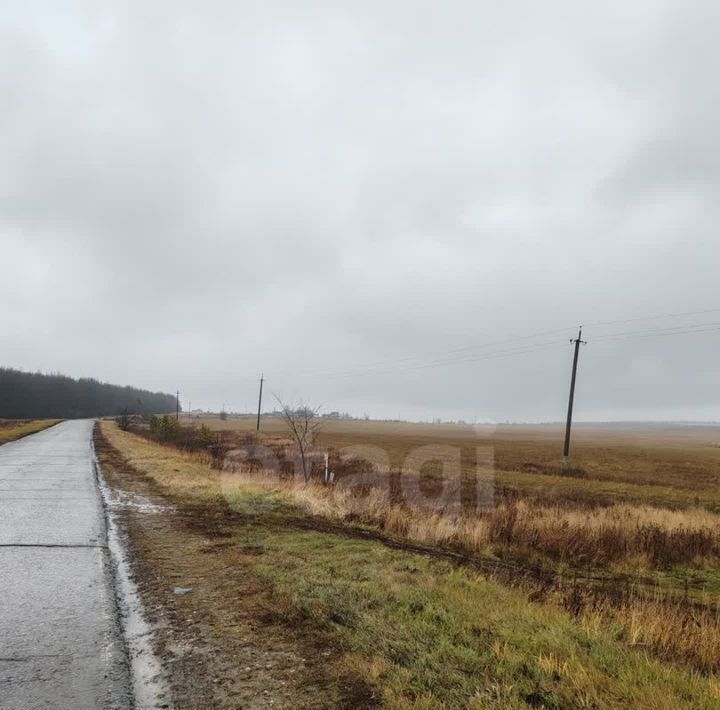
(192, 194)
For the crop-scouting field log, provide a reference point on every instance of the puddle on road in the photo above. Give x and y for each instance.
(150, 690)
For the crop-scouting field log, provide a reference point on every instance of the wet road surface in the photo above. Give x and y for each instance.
(60, 642)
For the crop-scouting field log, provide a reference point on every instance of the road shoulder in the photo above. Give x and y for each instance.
(218, 642)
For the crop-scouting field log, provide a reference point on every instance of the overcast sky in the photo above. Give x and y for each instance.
(366, 200)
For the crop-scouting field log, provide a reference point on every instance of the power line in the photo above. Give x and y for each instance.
(420, 362)
(414, 361)
(452, 361)
(490, 356)
(392, 366)
(674, 330)
(479, 352)
(646, 318)
(442, 362)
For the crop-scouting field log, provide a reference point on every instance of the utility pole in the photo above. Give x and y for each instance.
(566, 448)
(262, 379)
(177, 406)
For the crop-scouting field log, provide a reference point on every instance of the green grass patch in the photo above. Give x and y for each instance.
(429, 635)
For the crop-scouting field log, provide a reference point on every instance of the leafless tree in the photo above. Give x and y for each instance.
(303, 423)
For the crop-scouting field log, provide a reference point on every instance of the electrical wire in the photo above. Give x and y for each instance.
(677, 330)
(646, 318)
(478, 352)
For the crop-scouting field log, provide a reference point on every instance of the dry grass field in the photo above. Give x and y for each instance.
(622, 555)
(639, 499)
(12, 429)
(674, 465)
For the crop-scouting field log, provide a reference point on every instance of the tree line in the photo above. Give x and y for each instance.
(35, 395)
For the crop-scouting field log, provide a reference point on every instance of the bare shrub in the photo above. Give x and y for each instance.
(202, 440)
(303, 424)
(125, 419)
(218, 450)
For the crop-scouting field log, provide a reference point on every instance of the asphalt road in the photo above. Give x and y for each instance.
(60, 640)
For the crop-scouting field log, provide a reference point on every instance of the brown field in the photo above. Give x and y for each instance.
(605, 583)
(672, 464)
(642, 501)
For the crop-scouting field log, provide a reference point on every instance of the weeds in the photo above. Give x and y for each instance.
(394, 619)
(674, 631)
(10, 430)
(566, 533)
(212, 446)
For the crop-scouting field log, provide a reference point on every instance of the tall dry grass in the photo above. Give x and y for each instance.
(563, 531)
(669, 629)
(648, 536)
(11, 430)
(673, 630)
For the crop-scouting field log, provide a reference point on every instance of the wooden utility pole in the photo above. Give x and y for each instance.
(568, 425)
(177, 406)
(262, 379)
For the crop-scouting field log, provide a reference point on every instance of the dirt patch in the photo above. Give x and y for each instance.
(218, 643)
